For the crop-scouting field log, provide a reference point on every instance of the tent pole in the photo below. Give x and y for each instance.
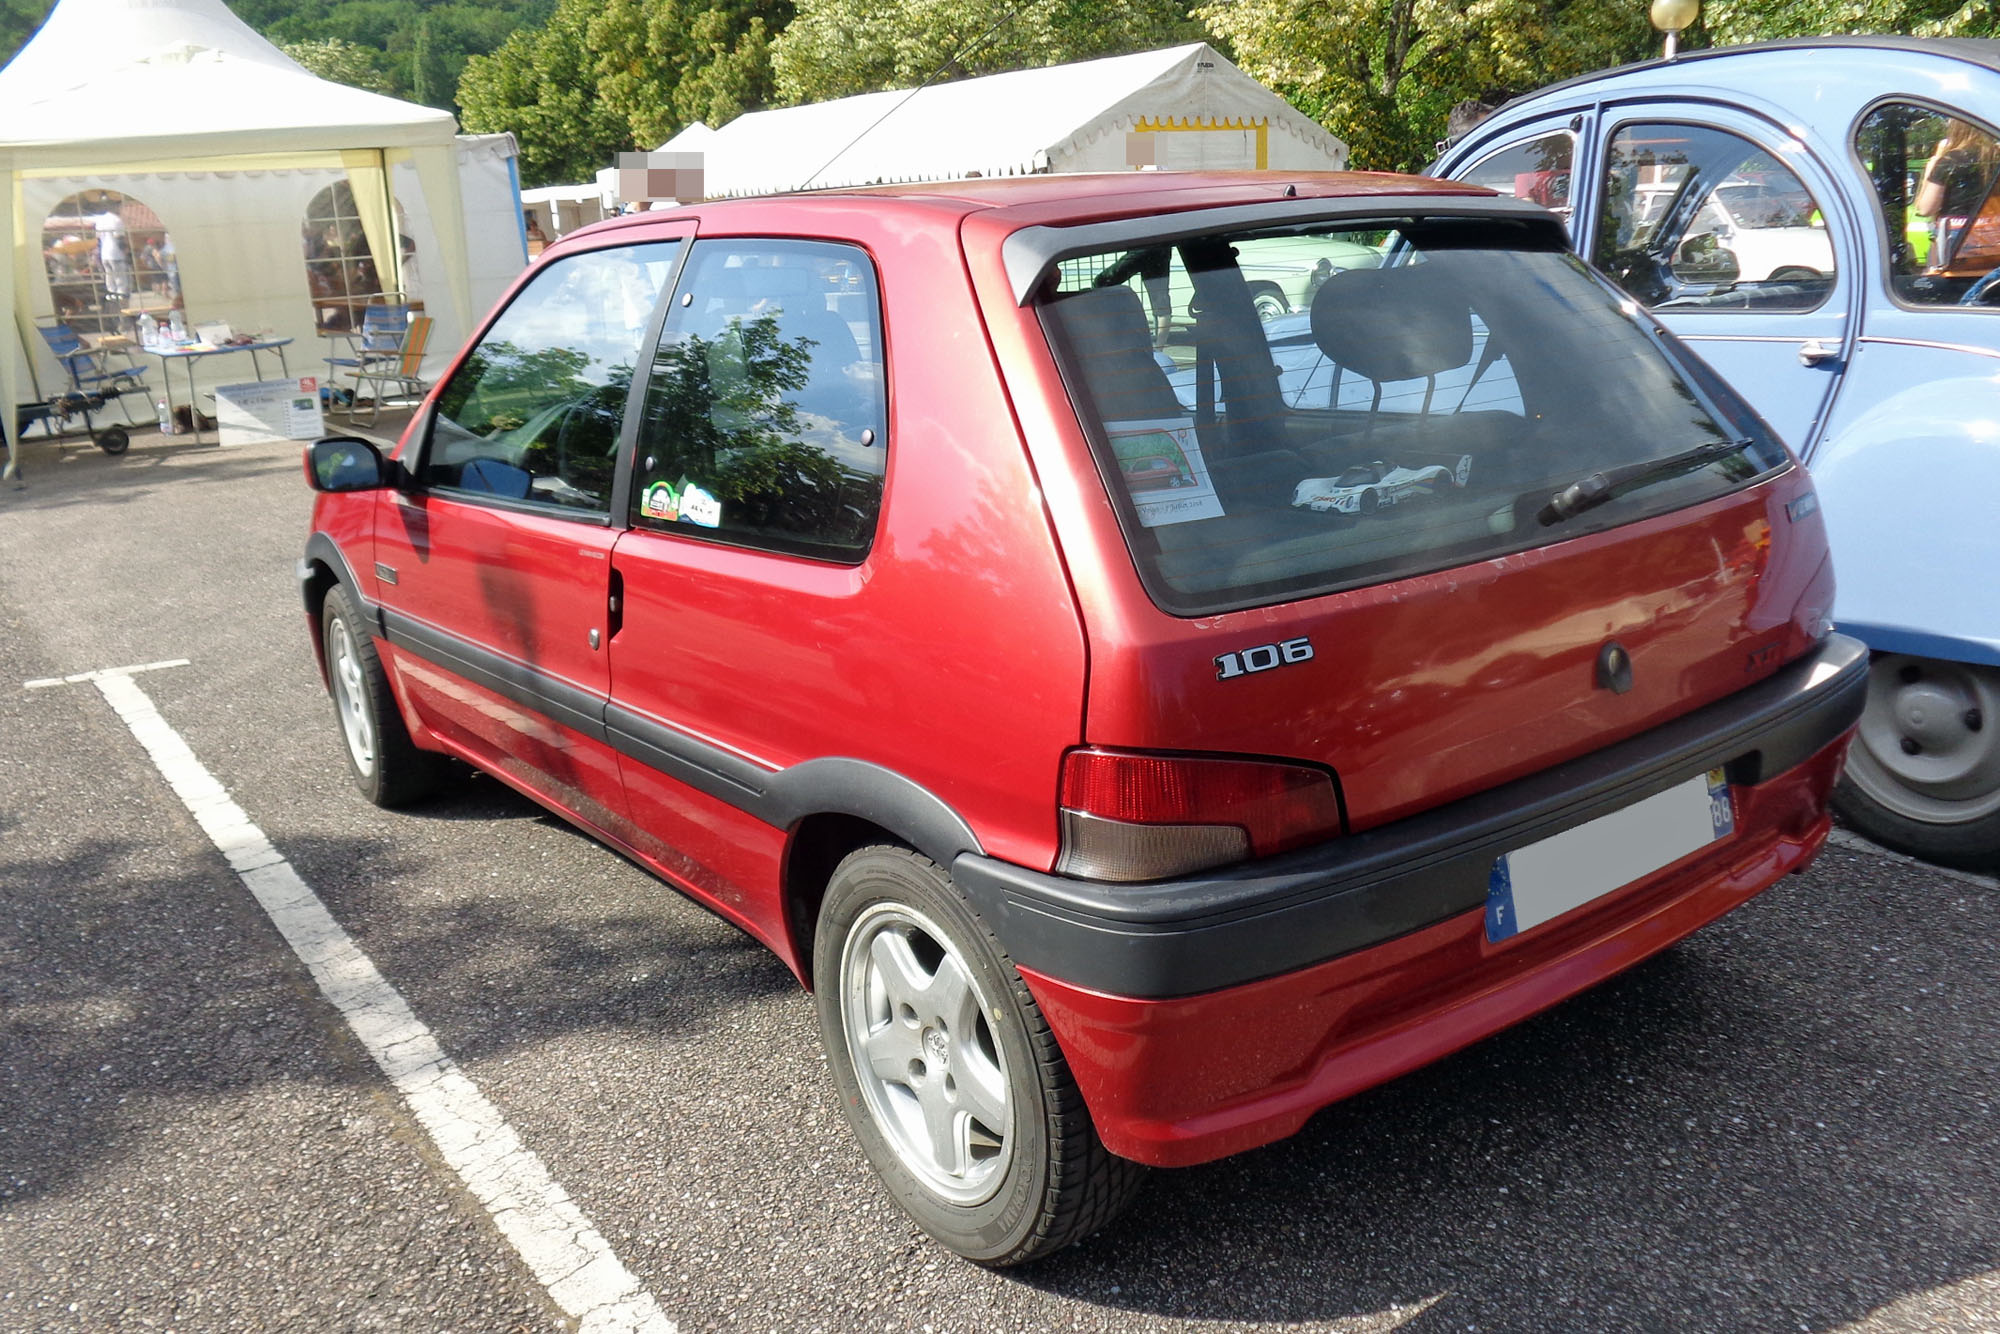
(10, 422)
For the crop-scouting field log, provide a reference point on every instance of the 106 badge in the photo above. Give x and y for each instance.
(1263, 658)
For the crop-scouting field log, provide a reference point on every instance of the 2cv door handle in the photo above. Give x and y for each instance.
(1814, 353)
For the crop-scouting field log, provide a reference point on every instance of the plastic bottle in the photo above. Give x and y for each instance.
(178, 323)
(166, 417)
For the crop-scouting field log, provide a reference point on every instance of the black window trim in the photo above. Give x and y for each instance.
(621, 492)
(628, 421)
(1877, 223)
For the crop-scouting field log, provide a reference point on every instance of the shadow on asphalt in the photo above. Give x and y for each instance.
(1619, 1163)
(91, 1022)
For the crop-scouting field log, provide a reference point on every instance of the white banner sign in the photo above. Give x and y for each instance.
(253, 414)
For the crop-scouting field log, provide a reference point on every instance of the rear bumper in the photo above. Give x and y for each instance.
(1210, 1015)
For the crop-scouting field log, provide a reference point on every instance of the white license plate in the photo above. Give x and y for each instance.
(1530, 885)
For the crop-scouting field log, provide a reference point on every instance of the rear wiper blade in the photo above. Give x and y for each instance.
(1589, 492)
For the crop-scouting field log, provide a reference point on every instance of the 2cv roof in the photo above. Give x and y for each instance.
(1814, 74)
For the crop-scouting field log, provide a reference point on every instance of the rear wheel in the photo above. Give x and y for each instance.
(947, 1072)
(113, 440)
(1923, 775)
(386, 765)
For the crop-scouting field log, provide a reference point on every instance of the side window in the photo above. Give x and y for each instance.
(534, 411)
(766, 418)
(1934, 175)
(1693, 217)
(1537, 169)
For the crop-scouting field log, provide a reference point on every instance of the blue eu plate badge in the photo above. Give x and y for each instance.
(1546, 879)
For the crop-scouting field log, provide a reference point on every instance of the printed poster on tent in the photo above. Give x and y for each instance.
(1160, 462)
(256, 414)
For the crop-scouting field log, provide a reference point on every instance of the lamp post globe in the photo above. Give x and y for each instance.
(1671, 17)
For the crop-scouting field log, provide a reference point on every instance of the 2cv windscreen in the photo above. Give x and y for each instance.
(1283, 413)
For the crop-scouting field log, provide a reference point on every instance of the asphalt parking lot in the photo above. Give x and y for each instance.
(1788, 1122)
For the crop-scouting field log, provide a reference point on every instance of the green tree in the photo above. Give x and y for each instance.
(342, 62)
(836, 48)
(607, 76)
(1728, 22)
(1383, 74)
(18, 21)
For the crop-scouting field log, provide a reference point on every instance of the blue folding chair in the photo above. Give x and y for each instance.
(90, 370)
(379, 346)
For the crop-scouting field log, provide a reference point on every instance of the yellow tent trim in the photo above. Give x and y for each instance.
(1151, 125)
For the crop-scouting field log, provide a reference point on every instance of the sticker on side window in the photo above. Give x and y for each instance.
(1163, 471)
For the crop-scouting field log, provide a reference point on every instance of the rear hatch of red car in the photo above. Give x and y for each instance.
(1462, 516)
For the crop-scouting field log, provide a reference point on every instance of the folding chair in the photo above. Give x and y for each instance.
(90, 370)
(384, 329)
(404, 371)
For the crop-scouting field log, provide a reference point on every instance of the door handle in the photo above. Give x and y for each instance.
(1813, 352)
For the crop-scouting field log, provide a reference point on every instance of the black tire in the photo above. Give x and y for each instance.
(386, 765)
(113, 440)
(1973, 845)
(1050, 1182)
(1269, 299)
(1923, 773)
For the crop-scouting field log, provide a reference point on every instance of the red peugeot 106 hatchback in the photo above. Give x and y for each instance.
(1143, 713)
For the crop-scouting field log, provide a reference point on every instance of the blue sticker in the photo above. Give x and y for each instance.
(1721, 815)
(1500, 920)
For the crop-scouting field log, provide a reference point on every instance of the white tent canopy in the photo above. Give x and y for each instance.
(1198, 109)
(115, 89)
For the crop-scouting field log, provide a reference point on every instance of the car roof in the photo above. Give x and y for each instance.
(1972, 50)
(1059, 198)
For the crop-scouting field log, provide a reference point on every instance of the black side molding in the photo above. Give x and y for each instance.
(833, 785)
(1260, 919)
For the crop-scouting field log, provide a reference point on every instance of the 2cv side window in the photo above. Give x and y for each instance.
(1934, 175)
(1538, 170)
(1696, 218)
(533, 413)
(766, 415)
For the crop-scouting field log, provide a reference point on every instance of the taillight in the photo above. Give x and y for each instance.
(1128, 816)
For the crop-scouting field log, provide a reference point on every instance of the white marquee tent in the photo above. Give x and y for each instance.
(179, 104)
(1189, 105)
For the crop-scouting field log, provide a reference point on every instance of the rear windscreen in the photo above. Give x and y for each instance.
(1278, 414)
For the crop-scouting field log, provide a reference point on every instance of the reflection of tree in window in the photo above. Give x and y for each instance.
(719, 414)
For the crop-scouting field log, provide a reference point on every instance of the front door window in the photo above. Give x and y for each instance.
(533, 414)
(1536, 170)
(1696, 218)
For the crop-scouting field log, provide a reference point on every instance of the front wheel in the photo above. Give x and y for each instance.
(947, 1072)
(1923, 775)
(1269, 299)
(386, 765)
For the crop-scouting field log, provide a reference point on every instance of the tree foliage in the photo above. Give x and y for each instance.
(1383, 74)
(342, 62)
(1729, 22)
(609, 76)
(835, 48)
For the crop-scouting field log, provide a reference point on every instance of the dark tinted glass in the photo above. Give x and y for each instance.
(765, 420)
(534, 411)
(1937, 189)
(1435, 386)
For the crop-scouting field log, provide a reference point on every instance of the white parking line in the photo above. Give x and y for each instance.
(561, 1247)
